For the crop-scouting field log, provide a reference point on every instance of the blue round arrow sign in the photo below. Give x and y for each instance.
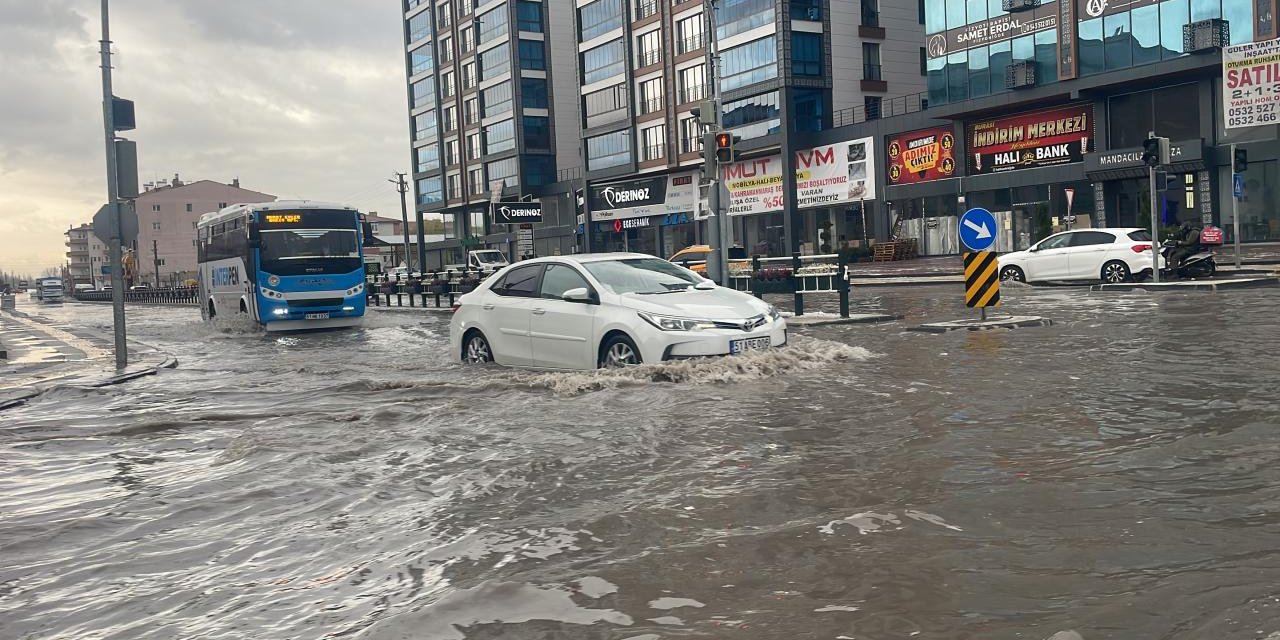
(978, 229)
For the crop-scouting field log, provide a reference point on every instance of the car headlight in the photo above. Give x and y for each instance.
(772, 312)
(356, 290)
(671, 323)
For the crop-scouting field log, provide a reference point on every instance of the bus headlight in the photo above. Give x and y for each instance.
(271, 294)
(273, 280)
(356, 290)
(281, 311)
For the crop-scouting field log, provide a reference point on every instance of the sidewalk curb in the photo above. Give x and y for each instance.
(1203, 285)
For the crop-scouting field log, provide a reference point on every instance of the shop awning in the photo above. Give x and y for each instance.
(1140, 171)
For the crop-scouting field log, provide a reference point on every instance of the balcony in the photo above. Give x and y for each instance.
(651, 105)
(646, 8)
(692, 43)
(691, 145)
(693, 94)
(888, 107)
(806, 10)
(655, 152)
(649, 58)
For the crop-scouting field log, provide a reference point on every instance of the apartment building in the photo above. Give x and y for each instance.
(86, 257)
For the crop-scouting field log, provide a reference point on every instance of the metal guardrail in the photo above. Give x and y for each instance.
(417, 290)
(178, 296)
(823, 273)
(890, 107)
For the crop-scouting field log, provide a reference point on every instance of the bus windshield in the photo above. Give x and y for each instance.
(306, 251)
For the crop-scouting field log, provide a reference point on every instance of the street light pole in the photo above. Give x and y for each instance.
(114, 234)
(721, 231)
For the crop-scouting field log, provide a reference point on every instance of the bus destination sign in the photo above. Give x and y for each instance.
(282, 218)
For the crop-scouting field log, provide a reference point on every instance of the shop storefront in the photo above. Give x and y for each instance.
(1122, 185)
(926, 159)
(650, 215)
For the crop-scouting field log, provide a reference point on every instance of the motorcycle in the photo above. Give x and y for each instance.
(1199, 264)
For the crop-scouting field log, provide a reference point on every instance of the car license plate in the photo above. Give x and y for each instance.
(317, 316)
(738, 346)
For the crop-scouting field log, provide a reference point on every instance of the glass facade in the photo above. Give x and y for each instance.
(429, 191)
(495, 62)
(533, 93)
(421, 60)
(428, 158)
(533, 55)
(749, 63)
(537, 132)
(424, 126)
(497, 99)
(500, 137)
(420, 26)
(609, 150)
(604, 61)
(806, 53)
(492, 24)
(605, 106)
(600, 17)
(753, 117)
(529, 16)
(1119, 40)
(424, 92)
(736, 16)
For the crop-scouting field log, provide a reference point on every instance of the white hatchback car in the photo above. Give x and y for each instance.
(1109, 255)
(606, 310)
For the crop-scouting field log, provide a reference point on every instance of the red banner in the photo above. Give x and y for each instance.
(920, 156)
(1028, 140)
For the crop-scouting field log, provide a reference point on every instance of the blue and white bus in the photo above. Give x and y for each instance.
(291, 264)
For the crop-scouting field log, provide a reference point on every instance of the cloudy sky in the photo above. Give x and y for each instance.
(298, 99)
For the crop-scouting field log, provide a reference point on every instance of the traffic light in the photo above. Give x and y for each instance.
(710, 161)
(1241, 161)
(724, 147)
(1155, 151)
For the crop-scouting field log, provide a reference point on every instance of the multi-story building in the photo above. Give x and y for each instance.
(167, 216)
(86, 257)
(1047, 104)
(491, 108)
(787, 70)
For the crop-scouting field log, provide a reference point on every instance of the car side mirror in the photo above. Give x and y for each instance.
(705, 285)
(1034, 248)
(580, 294)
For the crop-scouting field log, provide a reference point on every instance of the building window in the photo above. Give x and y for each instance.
(871, 13)
(604, 61)
(188, 207)
(475, 148)
(424, 125)
(539, 171)
(693, 83)
(468, 36)
(1173, 112)
(424, 92)
(504, 170)
(428, 158)
(455, 186)
(469, 77)
(451, 152)
(500, 136)
(871, 61)
(529, 16)
(598, 18)
(533, 55)
(753, 117)
(479, 220)
(806, 53)
(810, 10)
(448, 85)
(651, 95)
(155, 207)
(924, 62)
(605, 106)
(653, 142)
(749, 63)
(649, 48)
(446, 50)
(872, 105)
(492, 25)
(645, 8)
(744, 15)
(444, 16)
(497, 99)
(471, 109)
(155, 226)
(420, 60)
(449, 118)
(609, 150)
(690, 135)
(420, 26)
(429, 191)
(537, 132)
(533, 93)
(495, 62)
(920, 11)
(689, 34)
(475, 180)
(222, 205)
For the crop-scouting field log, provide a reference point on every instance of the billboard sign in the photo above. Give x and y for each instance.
(830, 174)
(921, 156)
(516, 212)
(1029, 140)
(1001, 28)
(1251, 84)
(677, 193)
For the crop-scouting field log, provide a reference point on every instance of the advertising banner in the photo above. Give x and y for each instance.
(642, 198)
(1251, 84)
(830, 174)
(516, 212)
(921, 156)
(1028, 140)
(1001, 28)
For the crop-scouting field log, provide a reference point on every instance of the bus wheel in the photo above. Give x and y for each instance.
(212, 311)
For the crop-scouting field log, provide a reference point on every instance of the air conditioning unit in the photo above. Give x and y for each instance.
(1014, 6)
(1205, 35)
(1020, 74)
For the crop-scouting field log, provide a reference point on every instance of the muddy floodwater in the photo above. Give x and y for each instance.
(1116, 474)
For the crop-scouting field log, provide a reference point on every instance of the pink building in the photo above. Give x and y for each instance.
(167, 216)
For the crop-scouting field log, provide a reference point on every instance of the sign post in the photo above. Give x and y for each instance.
(978, 231)
(1237, 188)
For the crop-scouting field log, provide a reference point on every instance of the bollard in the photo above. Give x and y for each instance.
(795, 284)
(842, 284)
(399, 291)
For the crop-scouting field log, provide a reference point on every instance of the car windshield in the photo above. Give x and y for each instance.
(1140, 236)
(641, 275)
(490, 257)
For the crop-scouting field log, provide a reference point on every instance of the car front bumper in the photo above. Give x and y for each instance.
(661, 346)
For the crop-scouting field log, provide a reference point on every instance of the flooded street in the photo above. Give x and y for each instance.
(1116, 474)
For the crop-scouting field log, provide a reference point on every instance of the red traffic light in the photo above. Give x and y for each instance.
(724, 141)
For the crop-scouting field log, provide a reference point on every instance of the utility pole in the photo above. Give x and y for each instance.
(155, 260)
(404, 221)
(721, 234)
(108, 123)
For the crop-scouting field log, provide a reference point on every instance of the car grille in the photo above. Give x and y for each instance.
(750, 324)
(316, 302)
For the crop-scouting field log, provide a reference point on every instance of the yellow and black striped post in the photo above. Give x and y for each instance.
(981, 280)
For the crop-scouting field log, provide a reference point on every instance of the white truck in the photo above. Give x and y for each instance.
(49, 290)
(482, 259)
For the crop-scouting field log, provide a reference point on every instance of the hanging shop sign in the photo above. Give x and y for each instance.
(659, 195)
(1251, 84)
(830, 174)
(516, 212)
(998, 29)
(920, 156)
(1029, 140)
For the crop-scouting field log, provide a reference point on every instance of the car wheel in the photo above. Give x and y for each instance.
(475, 349)
(619, 351)
(1013, 273)
(1115, 272)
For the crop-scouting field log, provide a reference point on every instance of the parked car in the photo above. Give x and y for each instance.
(140, 287)
(1109, 255)
(606, 310)
(698, 254)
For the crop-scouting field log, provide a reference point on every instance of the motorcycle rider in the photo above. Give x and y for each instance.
(1186, 243)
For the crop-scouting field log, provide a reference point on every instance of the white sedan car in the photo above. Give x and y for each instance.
(606, 310)
(1109, 255)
